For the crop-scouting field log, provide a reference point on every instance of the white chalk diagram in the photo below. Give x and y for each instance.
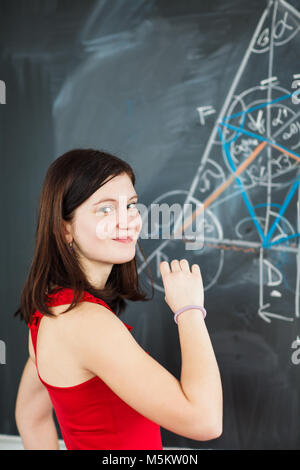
(253, 153)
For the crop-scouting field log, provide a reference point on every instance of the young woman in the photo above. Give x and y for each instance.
(106, 391)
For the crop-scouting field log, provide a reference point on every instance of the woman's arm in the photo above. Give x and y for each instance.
(102, 344)
(34, 411)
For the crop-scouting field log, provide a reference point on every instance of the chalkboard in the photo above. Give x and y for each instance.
(201, 99)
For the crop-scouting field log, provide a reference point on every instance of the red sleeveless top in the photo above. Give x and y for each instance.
(90, 415)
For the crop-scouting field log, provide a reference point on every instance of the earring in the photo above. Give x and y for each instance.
(71, 246)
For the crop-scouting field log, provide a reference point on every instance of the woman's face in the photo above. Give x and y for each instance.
(99, 221)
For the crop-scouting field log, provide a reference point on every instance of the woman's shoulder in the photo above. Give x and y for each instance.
(83, 311)
(87, 311)
(62, 296)
(79, 324)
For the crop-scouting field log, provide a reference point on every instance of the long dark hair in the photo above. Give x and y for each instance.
(70, 180)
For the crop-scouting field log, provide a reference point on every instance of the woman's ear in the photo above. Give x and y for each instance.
(67, 230)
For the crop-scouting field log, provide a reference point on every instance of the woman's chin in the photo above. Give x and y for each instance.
(123, 256)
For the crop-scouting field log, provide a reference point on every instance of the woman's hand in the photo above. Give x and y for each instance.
(182, 286)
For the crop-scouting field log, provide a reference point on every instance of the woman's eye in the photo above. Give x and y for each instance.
(135, 206)
(104, 209)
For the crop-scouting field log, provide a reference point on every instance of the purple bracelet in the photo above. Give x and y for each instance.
(189, 307)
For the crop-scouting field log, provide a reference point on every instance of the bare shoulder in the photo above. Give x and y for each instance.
(88, 320)
(89, 311)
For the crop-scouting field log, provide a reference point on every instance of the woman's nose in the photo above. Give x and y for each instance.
(127, 221)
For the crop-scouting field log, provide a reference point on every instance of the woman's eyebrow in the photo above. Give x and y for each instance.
(114, 200)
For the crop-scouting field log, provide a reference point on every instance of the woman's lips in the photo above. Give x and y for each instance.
(123, 240)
